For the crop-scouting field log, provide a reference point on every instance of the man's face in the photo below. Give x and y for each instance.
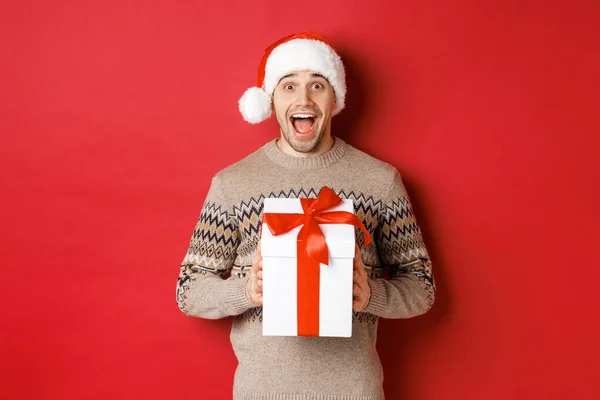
(303, 103)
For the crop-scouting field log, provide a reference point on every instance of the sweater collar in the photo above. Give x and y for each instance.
(333, 155)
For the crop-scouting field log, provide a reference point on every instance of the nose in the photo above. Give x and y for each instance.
(304, 97)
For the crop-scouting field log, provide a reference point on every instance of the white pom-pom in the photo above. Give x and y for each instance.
(255, 105)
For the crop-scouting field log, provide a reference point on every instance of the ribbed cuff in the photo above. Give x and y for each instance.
(378, 301)
(237, 295)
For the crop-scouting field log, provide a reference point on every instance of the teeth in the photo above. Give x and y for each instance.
(302, 116)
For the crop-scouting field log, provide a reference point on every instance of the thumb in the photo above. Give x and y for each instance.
(357, 255)
(257, 254)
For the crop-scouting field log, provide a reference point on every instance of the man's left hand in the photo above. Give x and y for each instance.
(361, 291)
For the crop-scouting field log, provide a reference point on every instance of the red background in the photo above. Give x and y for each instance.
(116, 114)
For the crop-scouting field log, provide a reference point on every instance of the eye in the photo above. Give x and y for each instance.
(288, 86)
(317, 86)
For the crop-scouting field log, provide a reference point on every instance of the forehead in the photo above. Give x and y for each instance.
(303, 75)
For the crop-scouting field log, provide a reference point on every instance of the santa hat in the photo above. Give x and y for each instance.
(304, 51)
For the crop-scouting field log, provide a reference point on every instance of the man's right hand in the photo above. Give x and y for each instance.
(254, 284)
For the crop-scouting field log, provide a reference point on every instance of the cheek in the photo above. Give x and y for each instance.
(283, 101)
(327, 106)
(327, 102)
(280, 110)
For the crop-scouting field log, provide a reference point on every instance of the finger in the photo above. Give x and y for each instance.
(361, 281)
(357, 256)
(356, 263)
(259, 283)
(257, 253)
(259, 265)
(359, 272)
(365, 283)
(362, 286)
(359, 276)
(363, 272)
(255, 291)
(356, 290)
(259, 274)
(365, 278)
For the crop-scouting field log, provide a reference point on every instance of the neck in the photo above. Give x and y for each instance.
(324, 146)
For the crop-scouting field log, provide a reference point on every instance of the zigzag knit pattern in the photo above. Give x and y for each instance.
(216, 240)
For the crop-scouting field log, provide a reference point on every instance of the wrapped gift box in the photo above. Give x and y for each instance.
(280, 272)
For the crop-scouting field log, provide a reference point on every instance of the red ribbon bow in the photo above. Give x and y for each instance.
(312, 249)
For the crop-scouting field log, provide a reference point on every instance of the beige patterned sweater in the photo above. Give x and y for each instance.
(212, 278)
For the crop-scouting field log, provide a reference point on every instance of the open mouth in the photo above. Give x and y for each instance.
(303, 123)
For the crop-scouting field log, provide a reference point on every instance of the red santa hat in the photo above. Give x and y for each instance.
(304, 51)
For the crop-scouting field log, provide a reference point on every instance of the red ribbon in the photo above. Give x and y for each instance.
(312, 249)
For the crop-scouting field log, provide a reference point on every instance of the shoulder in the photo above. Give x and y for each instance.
(241, 170)
(383, 179)
(370, 165)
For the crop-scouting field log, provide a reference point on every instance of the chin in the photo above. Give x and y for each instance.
(304, 144)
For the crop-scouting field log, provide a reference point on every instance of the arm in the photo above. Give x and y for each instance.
(201, 290)
(410, 291)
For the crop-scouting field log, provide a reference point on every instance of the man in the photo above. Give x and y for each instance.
(302, 79)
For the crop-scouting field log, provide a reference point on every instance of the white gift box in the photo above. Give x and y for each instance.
(279, 255)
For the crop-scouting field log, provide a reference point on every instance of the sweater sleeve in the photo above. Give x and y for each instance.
(410, 289)
(202, 290)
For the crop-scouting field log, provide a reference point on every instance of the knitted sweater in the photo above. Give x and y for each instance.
(212, 278)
